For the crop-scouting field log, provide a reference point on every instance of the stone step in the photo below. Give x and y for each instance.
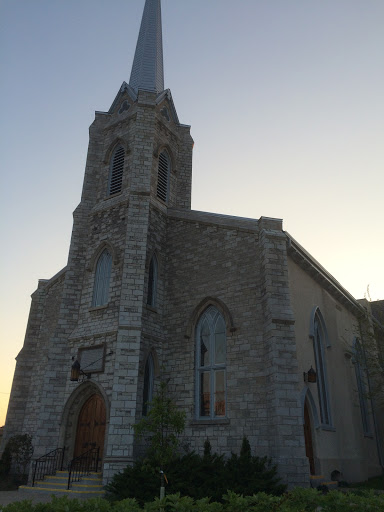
(60, 491)
(57, 484)
(318, 480)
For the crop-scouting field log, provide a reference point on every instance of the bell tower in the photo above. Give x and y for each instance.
(112, 291)
(139, 166)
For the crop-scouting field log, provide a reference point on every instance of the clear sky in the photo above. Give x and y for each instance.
(285, 99)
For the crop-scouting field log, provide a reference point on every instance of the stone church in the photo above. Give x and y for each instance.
(256, 338)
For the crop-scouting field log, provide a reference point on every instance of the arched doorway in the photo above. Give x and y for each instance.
(308, 438)
(91, 423)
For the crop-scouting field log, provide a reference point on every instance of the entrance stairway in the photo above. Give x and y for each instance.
(89, 485)
(319, 480)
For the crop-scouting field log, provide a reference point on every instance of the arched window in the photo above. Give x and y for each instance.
(116, 171)
(149, 373)
(102, 278)
(163, 172)
(319, 343)
(361, 378)
(152, 282)
(210, 367)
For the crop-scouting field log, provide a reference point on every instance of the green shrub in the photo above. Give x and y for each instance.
(209, 475)
(298, 500)
(16, 457)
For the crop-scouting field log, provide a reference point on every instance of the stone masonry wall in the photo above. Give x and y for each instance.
(284, 415)
(206, 260)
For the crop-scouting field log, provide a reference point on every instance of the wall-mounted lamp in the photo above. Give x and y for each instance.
(76, 371)
(310, 376)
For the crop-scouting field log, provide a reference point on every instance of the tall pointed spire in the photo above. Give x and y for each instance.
(147, 69)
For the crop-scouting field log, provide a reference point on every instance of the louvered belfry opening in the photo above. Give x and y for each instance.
(163, 176)
(116, 171)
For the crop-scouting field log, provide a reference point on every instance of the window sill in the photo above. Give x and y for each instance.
(212, 421)
(98, 308)
(151, 308)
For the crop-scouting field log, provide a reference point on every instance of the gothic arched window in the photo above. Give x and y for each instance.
(152, 282)
(361, 379)
(116, 171)
(102, 278)
(149, 374)
(319, 343)
(163, 173)
(211, 365)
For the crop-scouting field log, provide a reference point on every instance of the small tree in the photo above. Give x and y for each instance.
(371, 356)
(161, 428)
(17, 454)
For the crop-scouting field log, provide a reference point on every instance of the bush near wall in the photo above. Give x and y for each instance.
(199, 476)
(298, 500)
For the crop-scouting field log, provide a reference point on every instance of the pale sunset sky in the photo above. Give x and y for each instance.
(285, 100)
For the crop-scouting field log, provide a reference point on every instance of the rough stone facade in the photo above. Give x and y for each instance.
(263, 284)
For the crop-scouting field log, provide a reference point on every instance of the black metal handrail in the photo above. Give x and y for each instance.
(83, 465)
(48, 464)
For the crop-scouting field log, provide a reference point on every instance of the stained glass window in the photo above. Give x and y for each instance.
(211, 360)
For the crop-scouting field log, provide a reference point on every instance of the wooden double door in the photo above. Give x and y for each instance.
(91, 426)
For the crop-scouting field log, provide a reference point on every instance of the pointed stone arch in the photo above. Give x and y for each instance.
(306, 394)
(105, 244)
(71, 411)
(316, 313)
(152, 352)
(199, 310)
(321, 343)
(166, 147)
(150, 370)
(111, 148)
(153, 274)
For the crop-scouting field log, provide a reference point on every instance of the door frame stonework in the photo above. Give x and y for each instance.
(307, 402)
(71, 413)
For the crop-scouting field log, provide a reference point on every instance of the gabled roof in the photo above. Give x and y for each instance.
(167, 94)
(322, 276)
(124, 88)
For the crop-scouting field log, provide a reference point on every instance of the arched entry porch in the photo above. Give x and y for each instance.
(90, 432)
(85, 420)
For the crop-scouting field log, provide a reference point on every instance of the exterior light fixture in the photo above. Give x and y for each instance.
(75, 371)
(310, 376)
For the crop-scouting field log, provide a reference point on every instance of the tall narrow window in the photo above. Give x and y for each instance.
(211, 365)
(319, 341)
(148, 384)
(116, 171)
(102, 278)
(152, 282)
(361, 376)
(163, 173)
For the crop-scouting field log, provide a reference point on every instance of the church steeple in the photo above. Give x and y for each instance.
(147, 69)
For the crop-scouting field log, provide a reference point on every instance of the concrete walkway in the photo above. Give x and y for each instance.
(7, 497)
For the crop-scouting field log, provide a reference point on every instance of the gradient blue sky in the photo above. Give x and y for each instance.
(285, 99)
